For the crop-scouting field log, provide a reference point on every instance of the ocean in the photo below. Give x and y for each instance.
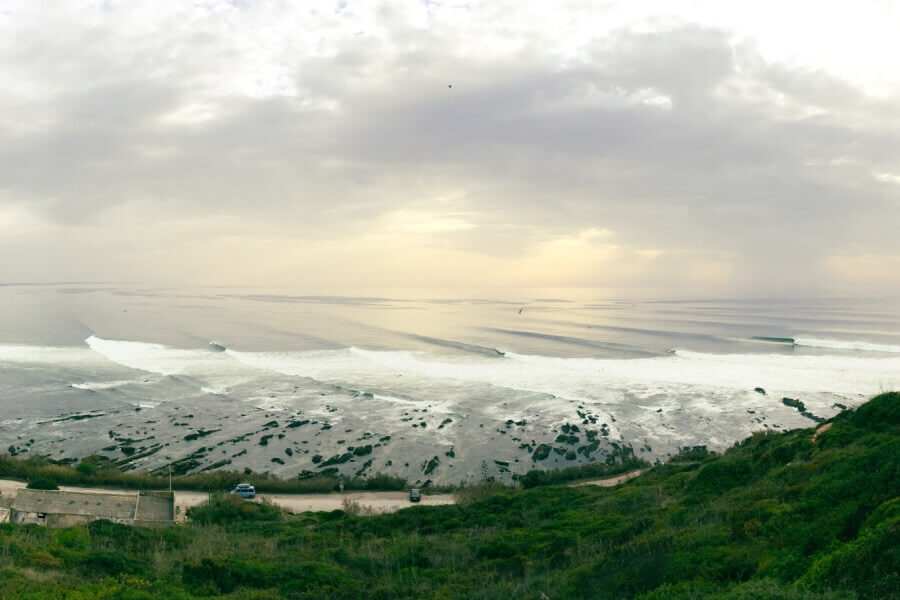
(449, 390)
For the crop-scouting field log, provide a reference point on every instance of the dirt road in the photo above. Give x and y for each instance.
(377, 502)
(611, 481)
(374, 502)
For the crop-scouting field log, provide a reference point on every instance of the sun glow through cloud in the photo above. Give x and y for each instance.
(682, 147)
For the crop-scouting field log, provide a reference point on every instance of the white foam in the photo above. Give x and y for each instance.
(162, 360)
(396, 400)
(845, 345)
(107, 385)
(426, 378)
(57, 355)
(590, 378)
(214, 391)
(801, 373)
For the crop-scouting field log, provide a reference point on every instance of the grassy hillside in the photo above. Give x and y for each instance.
(778, 516)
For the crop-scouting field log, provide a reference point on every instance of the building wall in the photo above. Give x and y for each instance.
(23, 518)
(64, 520)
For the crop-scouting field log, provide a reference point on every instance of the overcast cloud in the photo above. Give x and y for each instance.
(636, 146)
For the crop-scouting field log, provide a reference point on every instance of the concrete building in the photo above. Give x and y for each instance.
(63, 509)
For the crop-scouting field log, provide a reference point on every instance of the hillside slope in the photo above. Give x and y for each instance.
(793, 515)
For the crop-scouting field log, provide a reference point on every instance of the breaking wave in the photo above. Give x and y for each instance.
(844, 345)
(585, 377)
(108, 385)
(428, 376)
(161, 359)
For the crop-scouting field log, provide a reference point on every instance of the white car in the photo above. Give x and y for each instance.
(244, 490)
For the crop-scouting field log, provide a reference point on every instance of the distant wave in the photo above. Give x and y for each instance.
(576, 341)
(473, 348)
(844, 345)
(773, 340)
(829, 344)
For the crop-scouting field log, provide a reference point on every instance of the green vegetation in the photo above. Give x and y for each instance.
(780, 516)
(99, 472)
(42, 483)
(535, 477)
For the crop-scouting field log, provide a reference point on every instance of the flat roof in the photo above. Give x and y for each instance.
(104, 506)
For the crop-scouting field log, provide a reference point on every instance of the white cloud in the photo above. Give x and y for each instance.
(887, 178)
(702, 132)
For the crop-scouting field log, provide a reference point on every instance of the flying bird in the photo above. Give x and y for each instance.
(521, 309)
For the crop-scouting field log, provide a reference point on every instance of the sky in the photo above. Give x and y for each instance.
(658, 148)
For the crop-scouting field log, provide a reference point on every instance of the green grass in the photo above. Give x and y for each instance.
(778, 516)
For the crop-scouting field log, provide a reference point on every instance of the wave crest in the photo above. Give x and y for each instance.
(845, 345)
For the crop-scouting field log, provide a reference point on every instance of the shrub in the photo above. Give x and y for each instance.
(692, 453)
(73, 538)
(378, 481)
(314, 580)
(537, 477)
(229, 508)
(86, 468)
(109, 563)
(880, 413)
(721, 475)
(42, 483)
(226, 575)
(481, 491)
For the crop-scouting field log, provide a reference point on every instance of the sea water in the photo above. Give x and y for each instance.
(448, 389)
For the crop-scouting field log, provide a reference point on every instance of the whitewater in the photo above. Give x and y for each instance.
(446, 390)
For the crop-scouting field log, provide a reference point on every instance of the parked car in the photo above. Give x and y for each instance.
(415, 495)
(244, 490)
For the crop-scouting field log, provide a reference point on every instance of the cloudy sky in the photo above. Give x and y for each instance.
(665, 148)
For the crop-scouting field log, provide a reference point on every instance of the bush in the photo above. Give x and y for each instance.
(86, 468)
(106, 474)
(481, 491)
(313, 580)
(379, 481)
(719, 476)
(537, 477)
(880, 413)
(691, 454)
(226, 575)
(42, 483)
(867, 564)
(108, 563)
(230, 508)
